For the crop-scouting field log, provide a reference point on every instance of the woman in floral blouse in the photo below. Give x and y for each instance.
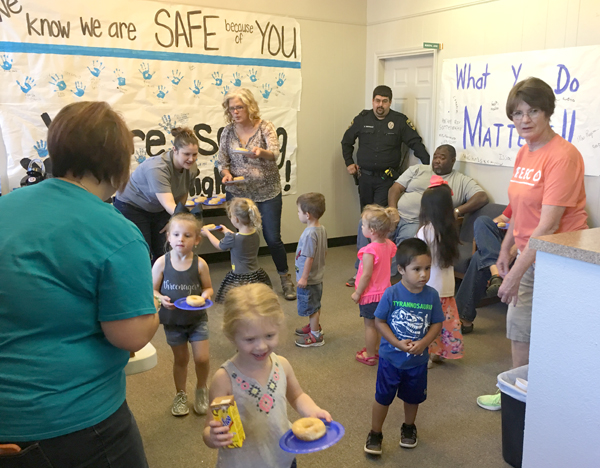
(249, 148)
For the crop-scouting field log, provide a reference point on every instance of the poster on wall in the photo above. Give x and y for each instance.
(472, 109)
(160, 65)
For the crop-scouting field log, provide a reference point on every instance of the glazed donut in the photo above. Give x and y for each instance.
(189, 203)
(501, 225)
(209, 226)
(309, 429)
(239, 178)
(195, 301)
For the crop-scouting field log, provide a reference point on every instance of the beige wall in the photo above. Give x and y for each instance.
(470, 28)
(334, 37)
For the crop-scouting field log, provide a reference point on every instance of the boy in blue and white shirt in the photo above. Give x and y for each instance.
(409, 317)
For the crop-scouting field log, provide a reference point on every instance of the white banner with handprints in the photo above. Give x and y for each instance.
(472, 115)
(160, 65)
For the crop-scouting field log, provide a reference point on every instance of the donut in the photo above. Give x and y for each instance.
(309, 429)
(200, 199)
(239, 178)
(214, 201)
(209, 226)
(195, 301)
(222, 196)
(189, 203)
(501, 225)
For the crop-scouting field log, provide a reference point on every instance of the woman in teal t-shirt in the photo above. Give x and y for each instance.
(70, 309)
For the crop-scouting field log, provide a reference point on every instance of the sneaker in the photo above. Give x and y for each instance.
(309, 340)
(201, 401)
(408, 436)
(351, 282)
(289, 290)
(180, 407)
(373, 444)
(490, 402)
(306, 330)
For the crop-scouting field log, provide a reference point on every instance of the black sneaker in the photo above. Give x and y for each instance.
(373, 445)
(408, 436)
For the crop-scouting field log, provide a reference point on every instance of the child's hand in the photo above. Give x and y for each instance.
(302, 283)
(405, 345)
(166, 302)
(219, 435)
(225, 229)
(204, 232)
(207, 295)
(417, 347)
(321, 414)
(355, 297)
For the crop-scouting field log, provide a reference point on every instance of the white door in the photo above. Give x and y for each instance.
(412, 81)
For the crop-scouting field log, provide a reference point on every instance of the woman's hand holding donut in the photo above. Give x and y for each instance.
(262, 153)
(227, 177)
(166, 302)
(219, 435)
(207, 295)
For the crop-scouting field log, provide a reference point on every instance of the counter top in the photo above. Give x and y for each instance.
(578, 245)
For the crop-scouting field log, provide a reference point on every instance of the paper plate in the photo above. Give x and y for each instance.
(290, 443)
(241, 152)
(221, 201)
(505, 227)
(232, 182)
(181, 304)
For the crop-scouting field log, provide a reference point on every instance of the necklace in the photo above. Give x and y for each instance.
(76, 182)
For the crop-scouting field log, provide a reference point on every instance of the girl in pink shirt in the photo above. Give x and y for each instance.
(373, 275)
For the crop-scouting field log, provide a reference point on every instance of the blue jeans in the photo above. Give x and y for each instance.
(270, 212)
(488, 238)
(112, 443)
(404, 230)
(149, 223)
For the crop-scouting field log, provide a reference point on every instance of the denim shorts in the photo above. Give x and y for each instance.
(368, 310)
(309, 299)
(181, 334)
(409, 384)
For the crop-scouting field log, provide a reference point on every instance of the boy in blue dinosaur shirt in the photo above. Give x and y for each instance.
(409, 317)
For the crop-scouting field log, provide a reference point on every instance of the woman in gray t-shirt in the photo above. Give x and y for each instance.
(157, 186)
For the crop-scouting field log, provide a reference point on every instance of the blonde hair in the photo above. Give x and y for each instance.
(246, 211)
(185, 218)
(379, 219)
(247, 302)
(247, 98)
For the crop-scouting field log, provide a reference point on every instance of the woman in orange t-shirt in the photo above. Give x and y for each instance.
(547, 195)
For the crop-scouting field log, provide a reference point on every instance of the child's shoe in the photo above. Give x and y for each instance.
(310, 340)
(408, 436)
(306, 330)
(373, 444)
(490, 402)
(180, 407)
(201, 401)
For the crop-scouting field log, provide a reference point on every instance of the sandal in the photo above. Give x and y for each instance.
(362, 353)
(369, 361)
(493, 286)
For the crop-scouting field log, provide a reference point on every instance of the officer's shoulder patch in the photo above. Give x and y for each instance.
(351, 123)
(365, 112)
(410, 124)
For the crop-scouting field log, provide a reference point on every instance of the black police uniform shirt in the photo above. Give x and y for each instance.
(379, 141)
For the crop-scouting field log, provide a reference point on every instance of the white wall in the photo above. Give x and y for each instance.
(334, 38)
(470, 28)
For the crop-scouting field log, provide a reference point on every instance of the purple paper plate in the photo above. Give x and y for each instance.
(290, 443)
(205, 202)
(181, 304)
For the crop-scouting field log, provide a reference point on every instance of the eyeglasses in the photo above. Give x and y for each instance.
(236, 109)
(532, 114)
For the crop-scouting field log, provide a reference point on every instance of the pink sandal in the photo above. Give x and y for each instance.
(362, 353)
(368, 360)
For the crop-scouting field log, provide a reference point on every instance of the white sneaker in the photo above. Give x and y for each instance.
(180, 407)
(201, 401)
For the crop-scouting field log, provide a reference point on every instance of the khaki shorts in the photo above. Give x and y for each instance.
(518, 318)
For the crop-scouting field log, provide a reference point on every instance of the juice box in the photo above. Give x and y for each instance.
(225, 410)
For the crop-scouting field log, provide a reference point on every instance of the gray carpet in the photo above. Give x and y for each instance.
(453, 430)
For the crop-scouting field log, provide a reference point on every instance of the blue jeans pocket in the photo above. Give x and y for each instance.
(30, 457)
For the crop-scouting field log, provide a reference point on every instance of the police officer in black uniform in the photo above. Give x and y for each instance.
(381, 132)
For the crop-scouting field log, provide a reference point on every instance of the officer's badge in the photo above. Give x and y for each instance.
(391, 125)
(410, 124)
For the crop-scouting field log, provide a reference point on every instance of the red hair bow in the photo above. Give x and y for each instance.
(438, 181)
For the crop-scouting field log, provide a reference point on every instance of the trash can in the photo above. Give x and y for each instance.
(513, 415)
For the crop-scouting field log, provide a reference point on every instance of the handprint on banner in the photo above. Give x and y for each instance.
(120, 78)
(176, 78)
(96, 69)
(266, 90)
(166, 124)
(225, 90)
(218, 79)
(197, 88)
(79, 89)
(145, 71)
(41, 148)
(27, 84)
(58, 81)
(252, 75)
(281, 80)
(6, 62)
(161, 92)
(237, 81)
(140, 155)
